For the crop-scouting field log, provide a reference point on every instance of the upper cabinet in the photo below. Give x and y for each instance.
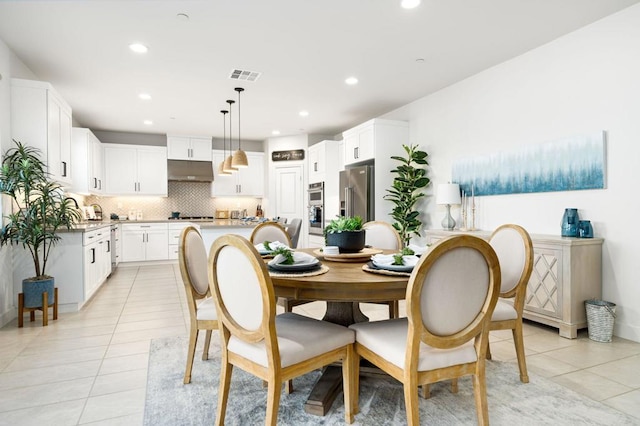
(135, 170)
(42, 119)
(247, 182)
(86, 158)
(188, 148)
(362, 142)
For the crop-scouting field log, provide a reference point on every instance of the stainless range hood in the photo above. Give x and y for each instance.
(190, 171)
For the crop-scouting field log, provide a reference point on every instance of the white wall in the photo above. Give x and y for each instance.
(588, 80)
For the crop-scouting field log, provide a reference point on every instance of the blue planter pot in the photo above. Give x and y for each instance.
(32, 291)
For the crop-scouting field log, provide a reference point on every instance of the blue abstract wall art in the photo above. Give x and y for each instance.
(568, 164)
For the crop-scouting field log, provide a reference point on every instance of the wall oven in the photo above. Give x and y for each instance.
(316, 208)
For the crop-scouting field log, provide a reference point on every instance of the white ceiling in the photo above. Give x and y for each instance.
(304, 49)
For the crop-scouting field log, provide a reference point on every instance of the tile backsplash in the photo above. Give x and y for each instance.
(188, 198)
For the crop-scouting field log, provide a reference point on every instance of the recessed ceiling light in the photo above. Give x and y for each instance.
(182, 17)
(275, 132)
(420, 60)
(303, 113)
(138, 48)
(410, 4)
(144, 96)
(351, 81)
(148, 122)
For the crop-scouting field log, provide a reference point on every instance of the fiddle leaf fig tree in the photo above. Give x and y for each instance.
(409, 180)
(41, 207)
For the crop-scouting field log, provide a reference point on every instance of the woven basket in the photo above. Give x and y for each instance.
(600, 318)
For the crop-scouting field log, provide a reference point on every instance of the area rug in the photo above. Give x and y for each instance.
(540, 402)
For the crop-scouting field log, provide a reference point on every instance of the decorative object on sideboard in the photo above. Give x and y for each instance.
(43, 209)
(228, 167)
(448, 194)
(221, 170)
(404, 192)
(468, 211)
(585, 230)
(570, 220)
(239, 160)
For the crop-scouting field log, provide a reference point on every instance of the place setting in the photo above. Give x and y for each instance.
(286, 262)
(392, 264)
(266, 248)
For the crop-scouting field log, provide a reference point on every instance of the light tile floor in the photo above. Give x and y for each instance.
(100, 355)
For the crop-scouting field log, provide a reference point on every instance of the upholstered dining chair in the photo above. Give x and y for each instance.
(383, 235)
(514, 248)
(270, 231)
(275, 348)
(192, 257)
(451, 296)
(293, 229)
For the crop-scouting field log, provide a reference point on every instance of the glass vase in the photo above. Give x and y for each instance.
(570, 221)
(585, 230)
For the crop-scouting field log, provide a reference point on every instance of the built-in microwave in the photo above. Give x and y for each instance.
(316, 208)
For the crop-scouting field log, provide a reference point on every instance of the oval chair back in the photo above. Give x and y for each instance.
(270, 231)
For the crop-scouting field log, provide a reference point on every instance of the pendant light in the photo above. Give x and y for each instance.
(240, 160)
(221, 171)
(227, 162)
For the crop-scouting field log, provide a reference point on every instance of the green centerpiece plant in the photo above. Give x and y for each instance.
(39, 210)
(346, 233)
(406, 191)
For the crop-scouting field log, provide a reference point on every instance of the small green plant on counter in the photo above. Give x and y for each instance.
(405, 192)
(288, 255)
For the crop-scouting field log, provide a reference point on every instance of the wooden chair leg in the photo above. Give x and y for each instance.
(55, 303)
(394, 309)
(480, 395)
(273, 402)
(350, 408)
(45, 309)
(288, 386)
(411, 403)
(191, 352)
(20, 310)
(226, 370)
(355, 375)
(454, 385)
(488, 356)
(207, 343)
(32, 315)
(518, 339)
(426, 391)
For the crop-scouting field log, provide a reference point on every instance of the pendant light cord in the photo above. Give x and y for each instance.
(239, 90)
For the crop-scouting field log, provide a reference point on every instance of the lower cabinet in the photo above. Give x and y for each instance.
(97, 259)
(175, 229)
(566, 272)
(145, 241)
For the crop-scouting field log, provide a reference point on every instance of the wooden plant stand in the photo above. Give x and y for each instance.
(44, 308)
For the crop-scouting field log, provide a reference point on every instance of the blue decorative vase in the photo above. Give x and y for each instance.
(570, 221)
(585, 230)
(32, 291)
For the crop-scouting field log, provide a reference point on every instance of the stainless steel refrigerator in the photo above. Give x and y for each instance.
(357, 192)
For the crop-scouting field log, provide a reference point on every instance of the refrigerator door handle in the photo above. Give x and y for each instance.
(348, 201)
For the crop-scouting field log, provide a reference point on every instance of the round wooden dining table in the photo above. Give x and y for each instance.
(343, 287)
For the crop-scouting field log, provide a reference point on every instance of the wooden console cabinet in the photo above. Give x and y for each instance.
(566, 272)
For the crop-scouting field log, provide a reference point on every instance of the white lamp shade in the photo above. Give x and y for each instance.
(448, 193)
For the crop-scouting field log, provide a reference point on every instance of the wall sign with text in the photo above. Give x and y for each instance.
(291, 155)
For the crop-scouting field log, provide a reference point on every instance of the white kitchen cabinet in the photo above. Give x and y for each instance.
(175, 229)
(324, 166)
(145, 241)
(97, 259)
(188, 148)
(566, 272)
(135, 170)
(41, 118)
(248, 182)
(87, 163)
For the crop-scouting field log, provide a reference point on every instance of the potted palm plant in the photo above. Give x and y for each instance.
(405, 192)
(346, 233)
(39, 209)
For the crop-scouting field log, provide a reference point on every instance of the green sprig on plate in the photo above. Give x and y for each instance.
(288, 255)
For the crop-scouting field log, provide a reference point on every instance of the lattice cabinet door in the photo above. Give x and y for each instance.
(544, 290)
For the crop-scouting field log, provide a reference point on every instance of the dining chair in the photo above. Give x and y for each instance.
(451, 296)
(192, 257)
(270, 231)
(382, 235)
(275, 348)
(293, 229)
(512, 243)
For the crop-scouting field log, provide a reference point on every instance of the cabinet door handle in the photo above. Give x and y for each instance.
(99, 183)
(64, 169)
(108, 246)
(93, 255)
(315, 166)
(95, 183)
(356, 152)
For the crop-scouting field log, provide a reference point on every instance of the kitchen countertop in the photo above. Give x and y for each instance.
(202, 223)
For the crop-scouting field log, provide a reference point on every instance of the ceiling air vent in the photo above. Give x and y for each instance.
(245, 75)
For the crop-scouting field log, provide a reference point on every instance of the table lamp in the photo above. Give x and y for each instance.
(448, 194)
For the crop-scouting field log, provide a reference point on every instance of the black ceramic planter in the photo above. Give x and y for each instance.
(347, 241)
